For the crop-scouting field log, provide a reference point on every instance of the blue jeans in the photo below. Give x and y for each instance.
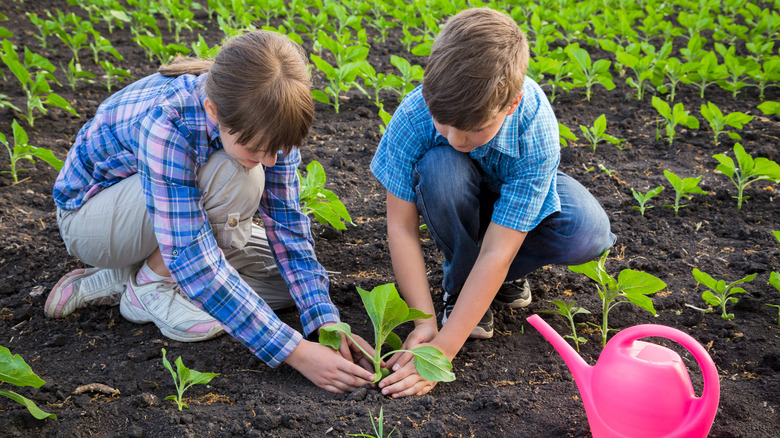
(456, 205)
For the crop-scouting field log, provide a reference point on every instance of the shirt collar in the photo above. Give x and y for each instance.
(505, 140)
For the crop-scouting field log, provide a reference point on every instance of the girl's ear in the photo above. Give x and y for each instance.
(211, 110)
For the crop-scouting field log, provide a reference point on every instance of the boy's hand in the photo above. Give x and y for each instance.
(328, 369)
(405, 381)
(421, 334)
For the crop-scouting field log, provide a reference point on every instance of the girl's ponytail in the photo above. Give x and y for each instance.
(185, 65)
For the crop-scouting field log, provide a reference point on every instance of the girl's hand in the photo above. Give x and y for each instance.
(421, 334)
(328, 369)
(405, 381)
(350, 351)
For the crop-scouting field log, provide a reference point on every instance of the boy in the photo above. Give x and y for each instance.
(475, 151)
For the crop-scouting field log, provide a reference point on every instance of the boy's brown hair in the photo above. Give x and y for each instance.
(261, 88)
(476, 68)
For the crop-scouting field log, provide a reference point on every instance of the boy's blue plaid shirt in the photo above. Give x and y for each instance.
(158, 128)
(519, 163)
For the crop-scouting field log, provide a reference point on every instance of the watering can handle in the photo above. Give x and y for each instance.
(711, 390)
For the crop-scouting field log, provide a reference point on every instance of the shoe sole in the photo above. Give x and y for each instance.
(53, 300)
(516, 304)
(480, 333)
(134, 314)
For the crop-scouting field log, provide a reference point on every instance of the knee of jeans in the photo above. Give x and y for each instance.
(592, 241)
(442, 172)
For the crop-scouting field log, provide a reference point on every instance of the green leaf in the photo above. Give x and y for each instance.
(394, 341)
(29, 404)
(320, 96)
(711, 298)
(330, 335)
(705, 279)
(14, 370)
(432, 364)
(633, 282)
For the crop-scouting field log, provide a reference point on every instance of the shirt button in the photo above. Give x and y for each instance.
(232, 222)
(175, 252)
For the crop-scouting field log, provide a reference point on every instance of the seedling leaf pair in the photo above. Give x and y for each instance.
(15, 371)
(183, 378)
(746, 171)
(683, 188)
(387, 311)
(325, 205)
(719, 292)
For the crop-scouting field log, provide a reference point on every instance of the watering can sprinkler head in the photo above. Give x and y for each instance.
(639, 389)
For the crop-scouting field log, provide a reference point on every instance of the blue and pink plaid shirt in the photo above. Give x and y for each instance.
(158, 128)
(519, 163)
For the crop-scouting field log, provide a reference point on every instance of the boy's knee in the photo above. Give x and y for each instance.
(231, 196)
(445, 172)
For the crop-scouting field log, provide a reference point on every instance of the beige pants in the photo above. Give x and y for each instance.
(113, 229)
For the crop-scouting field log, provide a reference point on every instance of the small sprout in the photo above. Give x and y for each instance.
(673, 117)
(183, 378)
(719, 292)
(597, 133)
(378, 426)
(718, 121)
(683, 188)
(321, 202)
(568, 311)
(642, 199)
(746, 170)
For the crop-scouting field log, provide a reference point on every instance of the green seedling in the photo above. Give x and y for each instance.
(45, 28)
(568, 311)
(642, 199)
(100, 45)
(183, 379)
(75, 73)
(379, 82)
(585, 73)
(719, 293)
(597, 133)
(321, 202)
(630, 286)
(114, 73)
(378, 427)
(73, 31)
(683, 188)
(23, 151)
(737, 68)
(706, 72)
(540, 68)
(202, 50)
(566, 135)
(746, 171)
(674, 72)
(718, 121)
(179, 16)
(155, 47)
(643, 66)
(350, 61)
(409, 75)
(695, 23)
(387, 311)
(673, 117)
(15, 371)
(768, 75)
(770, 108)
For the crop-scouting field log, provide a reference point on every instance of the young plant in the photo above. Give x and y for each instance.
(379, 82)
(350, 61)
(378, 427)
(15, 371)
(719, 292)
(409, 75)
(319, 201)
(23, 151)
(183, 379)
(585, 73)
(45, 28)
(718, 121)
(596, 133)
(114, 73)
(706, 72)
(630, 286)
(566, 135)
(387, 311)
(683, 188)
(568, 311)
(673, 117)
(155, 47)
(75, 73)
(767, 75)
(642, 65)
(746, 171)
(674, 72)
(737, 68)
(642, 199)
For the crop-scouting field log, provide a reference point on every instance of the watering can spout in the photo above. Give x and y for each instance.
(577, 365)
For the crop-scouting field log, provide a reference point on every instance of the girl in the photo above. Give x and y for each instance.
(158, 194)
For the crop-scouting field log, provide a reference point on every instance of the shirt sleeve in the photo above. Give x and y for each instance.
(167, 163)
(529, 193)
(291, 242)
(398, 150)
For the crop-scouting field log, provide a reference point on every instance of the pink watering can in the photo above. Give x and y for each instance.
(641, 390)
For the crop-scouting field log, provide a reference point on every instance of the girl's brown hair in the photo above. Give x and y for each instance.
(260, 85)
(476, 68)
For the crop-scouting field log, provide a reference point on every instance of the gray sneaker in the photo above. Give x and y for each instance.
(85, 287)
(514, 294)
(484, 328)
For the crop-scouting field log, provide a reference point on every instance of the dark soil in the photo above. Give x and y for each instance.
(514, 384)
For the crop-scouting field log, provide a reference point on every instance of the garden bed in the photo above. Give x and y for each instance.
(514, 384)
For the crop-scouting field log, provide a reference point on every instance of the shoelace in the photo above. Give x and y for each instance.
(170, 286)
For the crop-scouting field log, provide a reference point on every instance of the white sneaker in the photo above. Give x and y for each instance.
(83, 287)
(163, 303)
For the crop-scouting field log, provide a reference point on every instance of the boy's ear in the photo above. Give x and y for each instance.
(513, 106)
(211, 110)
